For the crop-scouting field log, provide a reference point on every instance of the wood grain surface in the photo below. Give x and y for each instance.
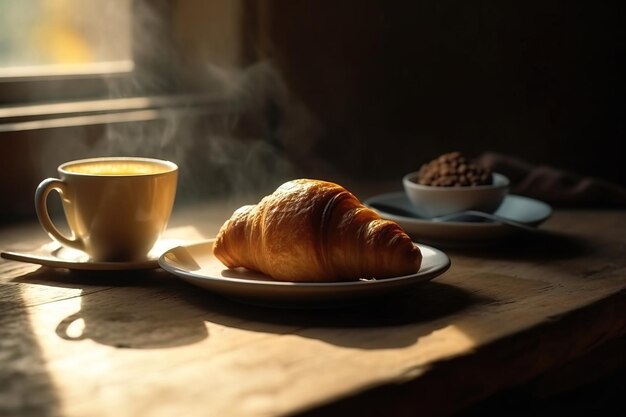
(146, 344)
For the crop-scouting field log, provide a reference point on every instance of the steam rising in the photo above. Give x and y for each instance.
(247, 136)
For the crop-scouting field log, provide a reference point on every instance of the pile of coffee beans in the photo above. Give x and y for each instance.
(452, 170)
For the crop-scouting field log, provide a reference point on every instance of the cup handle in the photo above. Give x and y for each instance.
(41, 207)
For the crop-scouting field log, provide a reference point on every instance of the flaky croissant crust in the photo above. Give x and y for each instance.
(311, 230)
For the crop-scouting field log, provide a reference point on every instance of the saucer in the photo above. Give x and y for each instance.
(196, 264)
(514, 207)
(54, 255)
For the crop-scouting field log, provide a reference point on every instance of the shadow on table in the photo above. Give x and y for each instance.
(131, 309)
(152, 309)
(539, 246)
(26, 388)
(572, 257)
(368, 325)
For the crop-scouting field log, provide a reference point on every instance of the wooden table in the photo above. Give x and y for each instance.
(147, 344)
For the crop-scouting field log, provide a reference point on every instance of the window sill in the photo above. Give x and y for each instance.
(94, 112)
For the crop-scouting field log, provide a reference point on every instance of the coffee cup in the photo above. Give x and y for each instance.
(116, 207)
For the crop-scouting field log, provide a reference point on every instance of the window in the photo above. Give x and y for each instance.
(63, 37)
(58, 50)
(63, 50)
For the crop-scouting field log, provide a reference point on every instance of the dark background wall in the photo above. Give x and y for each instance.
(361, 89)
(392, 83)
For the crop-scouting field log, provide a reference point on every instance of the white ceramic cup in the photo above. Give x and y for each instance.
(116, 207)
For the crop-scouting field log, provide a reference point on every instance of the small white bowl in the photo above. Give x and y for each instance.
(432, 201)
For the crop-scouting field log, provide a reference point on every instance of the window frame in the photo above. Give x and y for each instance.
(91, 82)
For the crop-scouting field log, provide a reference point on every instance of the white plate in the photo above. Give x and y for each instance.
(54, 255)
(521, 209)
(196, 264)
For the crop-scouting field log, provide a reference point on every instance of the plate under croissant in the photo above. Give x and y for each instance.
(196, 265)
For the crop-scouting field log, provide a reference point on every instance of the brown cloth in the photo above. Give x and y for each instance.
(553, 185)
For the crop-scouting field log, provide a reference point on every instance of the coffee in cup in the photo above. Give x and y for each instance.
(116, 207)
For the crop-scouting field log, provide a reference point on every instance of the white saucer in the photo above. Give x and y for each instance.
(521, 209)
(54, 255)
(196, 264)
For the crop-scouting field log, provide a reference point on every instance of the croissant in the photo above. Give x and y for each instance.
(311, 230)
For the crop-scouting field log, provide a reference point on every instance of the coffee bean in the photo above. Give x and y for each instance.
(453, 169)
